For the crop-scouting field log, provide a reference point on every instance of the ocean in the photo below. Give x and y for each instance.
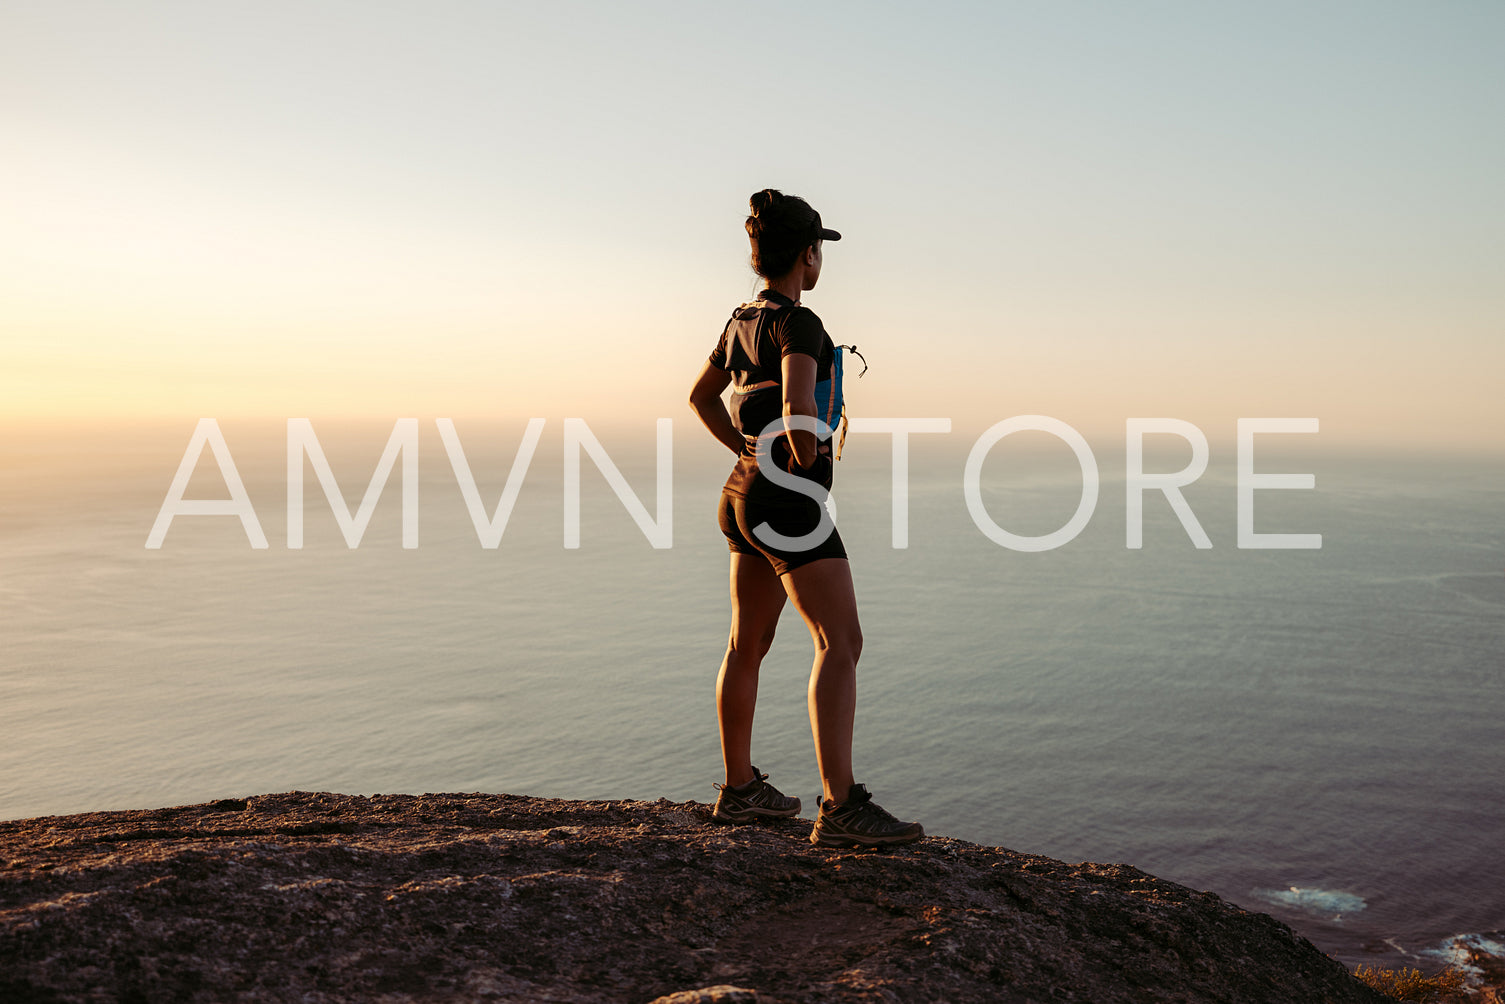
(1316, 733)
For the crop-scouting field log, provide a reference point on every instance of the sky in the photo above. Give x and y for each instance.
(1089, 211)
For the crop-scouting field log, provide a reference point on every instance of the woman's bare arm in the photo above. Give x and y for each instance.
(705, 398)
(799, 399)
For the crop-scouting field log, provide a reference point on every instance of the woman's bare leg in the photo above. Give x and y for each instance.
(757, 600)
(822, 592)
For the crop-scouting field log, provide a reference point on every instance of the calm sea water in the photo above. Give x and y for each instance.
(1315, 734)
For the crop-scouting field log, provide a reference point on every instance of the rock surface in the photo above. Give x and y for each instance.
(322, 898)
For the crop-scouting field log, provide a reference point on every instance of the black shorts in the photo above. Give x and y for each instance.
(739, 516)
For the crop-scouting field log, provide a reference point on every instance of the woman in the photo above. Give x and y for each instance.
(773, 353)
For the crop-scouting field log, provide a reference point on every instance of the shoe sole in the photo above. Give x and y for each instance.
(749, 815)
(853, 840)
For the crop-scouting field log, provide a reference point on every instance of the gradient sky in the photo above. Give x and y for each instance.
(1090, 211)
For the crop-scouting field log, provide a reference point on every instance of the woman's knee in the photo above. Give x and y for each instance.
(844, 642)
(752, 645)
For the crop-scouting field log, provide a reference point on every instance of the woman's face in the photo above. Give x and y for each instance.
(812, 264)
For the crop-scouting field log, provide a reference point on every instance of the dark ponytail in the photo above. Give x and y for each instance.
(780, 228)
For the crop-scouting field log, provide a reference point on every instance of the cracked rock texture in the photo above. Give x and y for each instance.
(316, 897)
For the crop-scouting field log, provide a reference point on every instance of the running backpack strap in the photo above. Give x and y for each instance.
(741, 387)
(749, 312)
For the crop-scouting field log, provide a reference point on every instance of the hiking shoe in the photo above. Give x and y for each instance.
(757, 799)
(861, 822)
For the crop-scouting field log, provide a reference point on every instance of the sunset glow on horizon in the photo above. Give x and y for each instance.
(1089, 212)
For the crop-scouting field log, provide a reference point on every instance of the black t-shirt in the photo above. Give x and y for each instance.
(752, 349)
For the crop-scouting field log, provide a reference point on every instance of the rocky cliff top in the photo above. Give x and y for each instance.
(317, 898)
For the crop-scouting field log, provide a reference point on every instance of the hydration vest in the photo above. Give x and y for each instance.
(830, 406)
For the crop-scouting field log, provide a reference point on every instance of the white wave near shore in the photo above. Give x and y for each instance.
(1481, 957)
(1329, 904)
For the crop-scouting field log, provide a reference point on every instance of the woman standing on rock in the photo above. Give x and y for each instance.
(778, 359)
